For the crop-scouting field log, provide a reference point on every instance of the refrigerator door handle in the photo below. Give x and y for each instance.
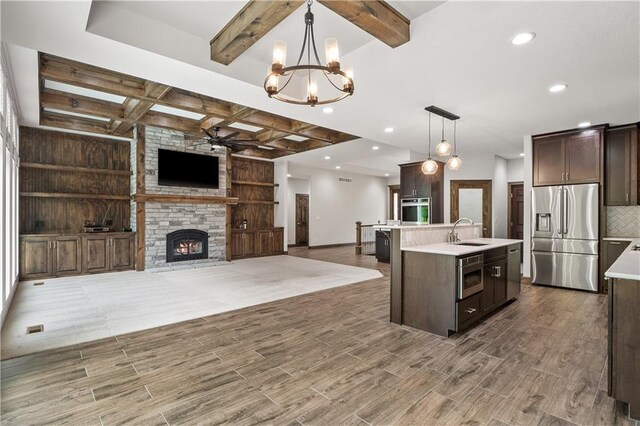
(565, 212)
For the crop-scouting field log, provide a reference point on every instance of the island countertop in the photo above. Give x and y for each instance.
(424, 225)
(627, 266)
(453, 249)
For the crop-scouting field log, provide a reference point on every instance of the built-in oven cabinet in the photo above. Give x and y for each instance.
(415, 184)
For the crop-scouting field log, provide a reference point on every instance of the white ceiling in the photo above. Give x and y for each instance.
(459, 58)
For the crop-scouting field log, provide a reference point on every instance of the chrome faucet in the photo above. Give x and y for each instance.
(452, 236)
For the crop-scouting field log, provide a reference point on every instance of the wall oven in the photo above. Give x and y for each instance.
(416, 210)
(470, 275)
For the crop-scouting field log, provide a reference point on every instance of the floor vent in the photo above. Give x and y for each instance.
(39, 283)
(32, 329)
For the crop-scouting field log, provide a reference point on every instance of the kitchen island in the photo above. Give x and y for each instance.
(446, 287)
(623, 337)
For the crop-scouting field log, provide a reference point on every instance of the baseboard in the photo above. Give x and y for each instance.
(332, 245)
(297, 245)
(8, 302)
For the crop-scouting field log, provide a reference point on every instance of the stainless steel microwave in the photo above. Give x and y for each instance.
(416, 210)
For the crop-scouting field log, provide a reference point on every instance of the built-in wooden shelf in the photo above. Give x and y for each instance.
(56, 167)
(184, 199)
(244, 182)
(66, 195)
(258, 202)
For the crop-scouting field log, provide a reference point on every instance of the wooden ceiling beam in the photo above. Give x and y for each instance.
(63, 101)
(80, 124)
(376, 17)
(135, 109)
(256, 19)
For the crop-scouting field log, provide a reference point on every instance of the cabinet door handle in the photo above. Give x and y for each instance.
(562, 179)
(627, 198)
(567, 176)
(498, 271)
(470, 310)
(615, 243)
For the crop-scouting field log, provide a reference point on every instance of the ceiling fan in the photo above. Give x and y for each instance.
(217, 141)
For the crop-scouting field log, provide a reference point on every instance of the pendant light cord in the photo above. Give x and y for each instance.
(442, 129)
(429, 153)
(455, 149)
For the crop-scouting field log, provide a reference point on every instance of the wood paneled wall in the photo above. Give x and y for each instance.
(252, 183)
(66, 179)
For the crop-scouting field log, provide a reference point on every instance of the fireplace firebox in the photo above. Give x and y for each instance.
(187, 244)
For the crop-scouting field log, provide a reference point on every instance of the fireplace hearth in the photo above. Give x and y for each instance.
(187, 244)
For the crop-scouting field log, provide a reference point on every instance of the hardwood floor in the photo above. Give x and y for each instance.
(331, 357)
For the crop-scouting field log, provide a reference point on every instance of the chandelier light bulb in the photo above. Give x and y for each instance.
(312, 92)
(429, 167)
(346, 82)
(272, 83)
(443, 149)
(279, 54)
(332, 53)
(454, 162)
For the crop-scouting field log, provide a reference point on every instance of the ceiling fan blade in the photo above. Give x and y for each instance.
(209, 134)
(230, 135)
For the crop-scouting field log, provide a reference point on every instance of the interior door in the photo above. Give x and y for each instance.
(472, 198)
(516, 211)
(302, 219)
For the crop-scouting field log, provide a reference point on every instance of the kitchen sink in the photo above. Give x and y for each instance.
(471, 244)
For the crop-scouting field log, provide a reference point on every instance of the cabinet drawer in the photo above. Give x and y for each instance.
(494, 254)
(468, 309)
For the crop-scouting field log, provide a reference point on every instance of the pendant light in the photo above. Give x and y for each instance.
(443, 149)
(454, 162)
(429, 166)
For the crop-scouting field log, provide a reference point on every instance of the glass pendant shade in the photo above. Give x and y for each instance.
(272, 82)
(429, 167)
(279, 54)
(312, 91)
(454, 162)
(332, 53)
(443, 149)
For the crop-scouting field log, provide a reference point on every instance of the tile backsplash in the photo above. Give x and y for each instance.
(623, 221)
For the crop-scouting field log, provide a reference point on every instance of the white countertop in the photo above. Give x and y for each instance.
(432, 225)
(628, 264)
(461, 250)
(620, 238)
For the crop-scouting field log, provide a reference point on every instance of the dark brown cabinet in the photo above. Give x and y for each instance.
(256, 242)
(612, 250)
(624, 343)
(494, 293)
(108, 252)
(49, 256)
(570, 158)
(621, 166)
(414, 183)
(383, 246)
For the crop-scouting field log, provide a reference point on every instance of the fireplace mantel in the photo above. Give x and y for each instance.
(183, 199)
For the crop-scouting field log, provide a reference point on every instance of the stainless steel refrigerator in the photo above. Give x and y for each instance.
(564, 236)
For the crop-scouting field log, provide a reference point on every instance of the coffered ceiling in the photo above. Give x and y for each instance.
(81, 97)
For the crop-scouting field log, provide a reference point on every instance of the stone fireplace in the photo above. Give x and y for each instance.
(187, 244)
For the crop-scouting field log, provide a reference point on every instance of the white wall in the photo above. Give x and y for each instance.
(500, 198)
(280, 210)
(515, 170)
(334, 207)
(295, 186)
(528, 181)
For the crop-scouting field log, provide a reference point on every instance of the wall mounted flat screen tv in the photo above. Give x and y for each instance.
(187, 169)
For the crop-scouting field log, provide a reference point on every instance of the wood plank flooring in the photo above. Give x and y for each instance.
(331, 358)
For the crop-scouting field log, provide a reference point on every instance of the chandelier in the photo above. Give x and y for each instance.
(280, 75)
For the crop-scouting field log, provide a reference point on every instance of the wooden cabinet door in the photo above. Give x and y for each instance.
(548, 161)
(278, 241)
(249, 244)
(612, 251)
(121, 253)
(237, 245)
(582, 157)
(36, 257)
(68, 256)
(500, 282)
(617, 166)
(265, 243)
(437, 195)
(96, 253)
(423, 182)
(407, 181)
(488, 292)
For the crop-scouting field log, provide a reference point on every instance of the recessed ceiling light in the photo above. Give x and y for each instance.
(386, 174)
(584, 124)
(522, 154)
(558, 87)
(337, 167)
(522, 38)
(326, 157)
(388, 129)
(375, 148)
(327, 110)
(288, 174)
